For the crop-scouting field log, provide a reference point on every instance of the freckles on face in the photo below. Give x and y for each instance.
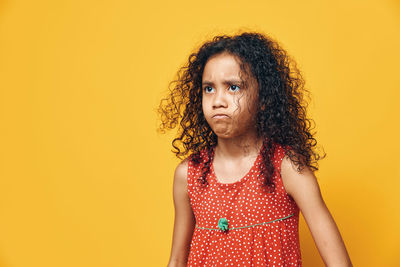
(223, 93)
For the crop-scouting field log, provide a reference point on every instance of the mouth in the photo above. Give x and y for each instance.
(220, 116)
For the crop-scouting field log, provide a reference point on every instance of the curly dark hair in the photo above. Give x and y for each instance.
(281, 116)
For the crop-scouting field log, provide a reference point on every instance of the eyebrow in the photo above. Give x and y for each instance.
(228, 81)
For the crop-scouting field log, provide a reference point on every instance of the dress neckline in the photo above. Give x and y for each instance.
(241, 180)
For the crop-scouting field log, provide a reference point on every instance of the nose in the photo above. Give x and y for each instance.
(219, 99)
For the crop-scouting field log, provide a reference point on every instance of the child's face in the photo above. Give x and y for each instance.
(223, 93)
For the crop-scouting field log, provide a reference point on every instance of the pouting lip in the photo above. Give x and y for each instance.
(220, 114)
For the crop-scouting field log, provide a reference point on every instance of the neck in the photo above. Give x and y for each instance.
(239, 147)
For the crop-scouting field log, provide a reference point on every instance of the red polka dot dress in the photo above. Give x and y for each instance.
(240, 224)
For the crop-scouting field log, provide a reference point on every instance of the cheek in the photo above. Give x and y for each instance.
(244, 109)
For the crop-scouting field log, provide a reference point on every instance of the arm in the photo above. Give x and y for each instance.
(304, 189)
(184, 218)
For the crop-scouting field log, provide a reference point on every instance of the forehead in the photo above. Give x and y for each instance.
(221, 66)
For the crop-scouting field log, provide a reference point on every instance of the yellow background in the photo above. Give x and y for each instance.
(85, 180)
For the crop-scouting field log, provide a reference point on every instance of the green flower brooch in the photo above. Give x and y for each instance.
(223, 224)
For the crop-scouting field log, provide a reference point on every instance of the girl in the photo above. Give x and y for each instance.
(250, 172)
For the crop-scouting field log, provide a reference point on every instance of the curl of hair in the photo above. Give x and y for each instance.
(281, 109)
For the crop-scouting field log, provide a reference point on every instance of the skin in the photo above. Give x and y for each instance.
(238, 143)
(238, 146)
(184, 218)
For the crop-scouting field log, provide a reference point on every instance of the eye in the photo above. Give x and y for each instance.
(235, 86)
(205, 88)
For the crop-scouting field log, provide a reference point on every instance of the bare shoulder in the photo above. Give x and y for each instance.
(180, 176)
(296, 182)
(180, 186)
